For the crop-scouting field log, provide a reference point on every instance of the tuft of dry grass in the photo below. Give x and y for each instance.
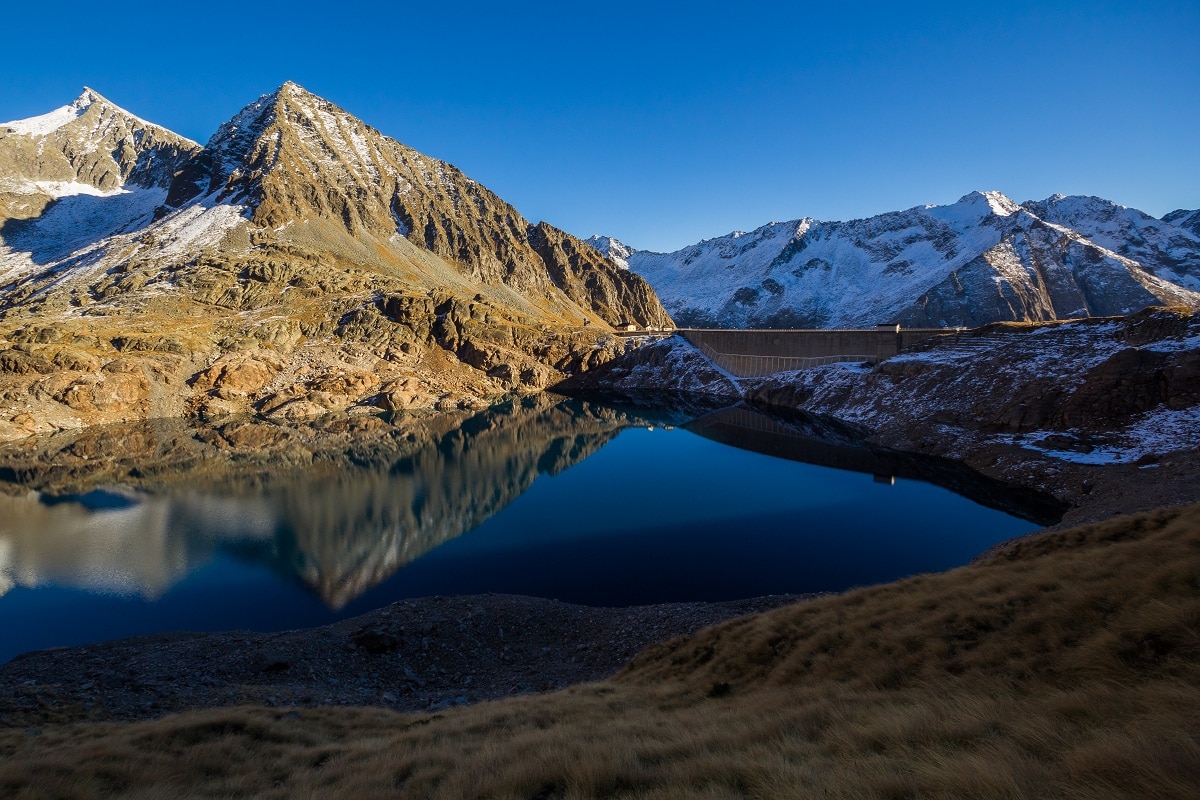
(1064, 666)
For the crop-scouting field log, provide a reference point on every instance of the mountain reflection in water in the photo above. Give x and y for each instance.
(342, 504)
(339, 504)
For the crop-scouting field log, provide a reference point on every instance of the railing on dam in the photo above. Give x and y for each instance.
(750, 353)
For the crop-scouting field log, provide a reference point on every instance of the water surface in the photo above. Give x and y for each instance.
(270, 526)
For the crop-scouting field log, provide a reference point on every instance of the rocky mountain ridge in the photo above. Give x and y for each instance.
(299, 262)
(982, 259)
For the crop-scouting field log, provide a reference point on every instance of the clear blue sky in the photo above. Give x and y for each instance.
(662, 125)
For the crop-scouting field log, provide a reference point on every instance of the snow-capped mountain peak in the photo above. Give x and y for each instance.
(973, 208)
(615, 250)
(53, 120)
(292, 170)
(981, 259)
(106, 113)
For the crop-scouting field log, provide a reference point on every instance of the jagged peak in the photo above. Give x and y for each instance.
(45, 124)
(1080, 200)
(293, 89)
(613, 249)
(998, 202)
(89, 96)
(261, 113)
(599, 242)
(48, 123)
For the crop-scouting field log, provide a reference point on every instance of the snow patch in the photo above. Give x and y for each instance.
(1157, 432)
(47, 123)
(196, 227)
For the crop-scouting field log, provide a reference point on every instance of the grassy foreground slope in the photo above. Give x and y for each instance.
(1066, 665)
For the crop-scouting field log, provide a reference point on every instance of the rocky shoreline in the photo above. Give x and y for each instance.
(415, 655)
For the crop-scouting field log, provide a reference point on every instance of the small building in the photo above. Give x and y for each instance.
(626, 325)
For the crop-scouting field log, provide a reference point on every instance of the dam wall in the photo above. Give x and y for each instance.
(755, 353)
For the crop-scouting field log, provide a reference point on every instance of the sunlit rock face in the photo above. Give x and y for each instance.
(300, 262)
(340, 504)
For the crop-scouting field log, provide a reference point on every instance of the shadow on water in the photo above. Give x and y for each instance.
(827, 443)
(341, 504)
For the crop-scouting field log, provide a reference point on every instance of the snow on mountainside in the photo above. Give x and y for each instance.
(982, 259)
(290, 168)
(91, 142)
(1182, 218)
(300, 262)
(614, 250)
(1172, 251)
(73, 177)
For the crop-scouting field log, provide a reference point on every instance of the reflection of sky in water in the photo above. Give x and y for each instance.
(662, 478)
(662, 516)
(654, 516)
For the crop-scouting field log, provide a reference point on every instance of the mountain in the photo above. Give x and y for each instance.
(83, 171)
(613, 249)
(1188, 220)
(983, 259)
(339, 507)
(299, 262)
(90, 146)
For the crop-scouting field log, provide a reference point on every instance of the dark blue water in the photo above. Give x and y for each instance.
(654, 515)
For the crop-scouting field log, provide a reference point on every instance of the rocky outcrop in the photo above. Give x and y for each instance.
(620, 296)
(1086, 381)
(671, 366)
(1095, 391)
(293, 156)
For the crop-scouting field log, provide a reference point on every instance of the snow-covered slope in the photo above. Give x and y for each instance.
(1169, 250)
(1182, 218)
(76, 176)
(616, 252)
(982, 259)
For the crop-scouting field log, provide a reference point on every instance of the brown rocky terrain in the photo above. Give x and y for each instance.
(301, 262)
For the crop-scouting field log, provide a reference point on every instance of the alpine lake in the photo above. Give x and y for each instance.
(251, 524)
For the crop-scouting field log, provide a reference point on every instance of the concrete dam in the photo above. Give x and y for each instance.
(755, 353)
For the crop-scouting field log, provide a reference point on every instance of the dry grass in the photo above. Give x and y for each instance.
(1064, 666)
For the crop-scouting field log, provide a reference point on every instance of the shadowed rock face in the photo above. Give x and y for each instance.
(300, 263)
(340, 503)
